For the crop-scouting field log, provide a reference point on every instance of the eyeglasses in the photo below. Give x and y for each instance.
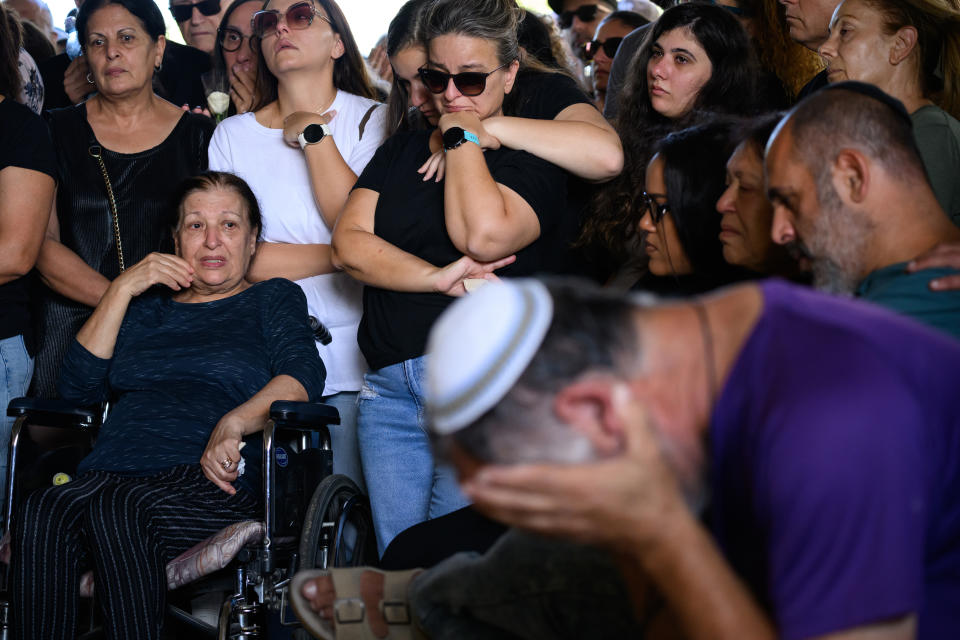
(297, 16)
(649, 204)
(586, 13)
(231, 39)
(469, 83)
(182, 12)
(609, 46)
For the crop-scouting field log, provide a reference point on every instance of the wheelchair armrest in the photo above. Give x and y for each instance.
(304, 416)
(55, 412)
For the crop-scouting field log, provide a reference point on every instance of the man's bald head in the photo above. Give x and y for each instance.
(853, 115)
(834, 166)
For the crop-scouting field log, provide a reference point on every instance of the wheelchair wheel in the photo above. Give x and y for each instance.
(338, 528)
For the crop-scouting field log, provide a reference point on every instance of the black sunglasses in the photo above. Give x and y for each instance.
(182, 12)
(231, 39)
(297, 16)
(469, 83)
(609, 46)
(586, 13)
(650, 205)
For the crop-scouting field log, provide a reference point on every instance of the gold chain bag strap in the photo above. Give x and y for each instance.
(97, 153)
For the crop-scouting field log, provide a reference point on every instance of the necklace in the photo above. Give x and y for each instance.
(709, 357)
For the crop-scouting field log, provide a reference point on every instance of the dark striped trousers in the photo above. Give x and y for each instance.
(127, 529)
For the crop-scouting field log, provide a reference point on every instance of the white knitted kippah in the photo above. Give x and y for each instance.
(480, 346)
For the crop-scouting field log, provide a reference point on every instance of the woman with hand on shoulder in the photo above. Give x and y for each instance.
(911, 50)
(118, 156)
(416, 244)
(301, 148)
(234, 54)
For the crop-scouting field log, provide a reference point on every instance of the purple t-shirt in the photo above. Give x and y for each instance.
(836, 466)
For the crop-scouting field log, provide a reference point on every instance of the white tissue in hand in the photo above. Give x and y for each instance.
(218, 101)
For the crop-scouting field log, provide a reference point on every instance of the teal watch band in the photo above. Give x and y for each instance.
(456, 136)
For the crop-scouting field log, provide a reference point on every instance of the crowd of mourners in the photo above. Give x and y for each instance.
(641, 318)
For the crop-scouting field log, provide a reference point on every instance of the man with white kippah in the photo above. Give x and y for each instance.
(830, 427)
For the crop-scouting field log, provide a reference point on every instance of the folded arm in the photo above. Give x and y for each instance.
(374, 261)
(578, 140)
(485, 220)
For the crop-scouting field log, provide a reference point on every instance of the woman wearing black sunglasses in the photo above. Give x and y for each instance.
(602, 49)
(198, 21)
(300, 149)
(417, 243)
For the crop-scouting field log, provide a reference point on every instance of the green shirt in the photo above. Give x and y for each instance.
(937, 134)
(908, 294)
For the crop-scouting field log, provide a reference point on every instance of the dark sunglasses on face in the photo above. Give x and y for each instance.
(586, 13)
(469, 83)
(231, 39)
(609, 46)
(297, 16)
(649, 204)
(182, 12)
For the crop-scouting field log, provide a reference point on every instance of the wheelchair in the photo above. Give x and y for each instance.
(311, 519)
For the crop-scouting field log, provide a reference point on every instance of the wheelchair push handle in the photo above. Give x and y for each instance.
(303, 415)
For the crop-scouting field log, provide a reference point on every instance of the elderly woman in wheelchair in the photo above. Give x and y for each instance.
(191, 368)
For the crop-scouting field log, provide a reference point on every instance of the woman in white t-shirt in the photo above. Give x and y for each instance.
(301, 149)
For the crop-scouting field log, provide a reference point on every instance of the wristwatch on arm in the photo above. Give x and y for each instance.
(312, 134)
(455, 136)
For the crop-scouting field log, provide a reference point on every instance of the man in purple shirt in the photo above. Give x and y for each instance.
(824, 432)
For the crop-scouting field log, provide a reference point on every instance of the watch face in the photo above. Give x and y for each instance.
(313, 133)
(452, 137)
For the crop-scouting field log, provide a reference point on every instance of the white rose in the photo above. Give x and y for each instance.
(218, 102)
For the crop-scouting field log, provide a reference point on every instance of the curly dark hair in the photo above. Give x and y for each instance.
(731, 89)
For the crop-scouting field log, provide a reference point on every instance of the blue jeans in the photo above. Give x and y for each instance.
(343, 437)
(17, 371)
(405, 485)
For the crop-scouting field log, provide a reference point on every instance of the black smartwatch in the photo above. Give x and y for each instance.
(312, 134)
(455, 136)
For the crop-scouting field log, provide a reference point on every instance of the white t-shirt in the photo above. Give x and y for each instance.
(278, 175)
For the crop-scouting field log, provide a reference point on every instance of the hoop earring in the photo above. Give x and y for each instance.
(157, 68)
(90, 78)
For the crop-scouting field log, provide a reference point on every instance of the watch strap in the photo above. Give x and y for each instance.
(304, 143)
(467, 136)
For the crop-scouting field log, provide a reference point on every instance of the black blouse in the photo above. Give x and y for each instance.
(143, 185)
